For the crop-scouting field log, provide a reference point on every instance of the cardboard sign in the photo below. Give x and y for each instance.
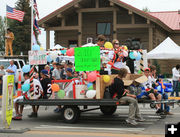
(7, 101)
(37, 57)
(87, 58)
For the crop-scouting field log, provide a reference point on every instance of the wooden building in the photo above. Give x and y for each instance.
(82, 20)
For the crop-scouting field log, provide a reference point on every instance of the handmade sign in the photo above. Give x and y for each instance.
(87, 58)
(37, 57)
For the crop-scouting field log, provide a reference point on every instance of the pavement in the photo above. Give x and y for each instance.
(92, 123)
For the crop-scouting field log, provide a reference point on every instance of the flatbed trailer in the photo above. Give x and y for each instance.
(71, 109)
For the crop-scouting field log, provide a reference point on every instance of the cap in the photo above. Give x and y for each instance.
(147, 69)
(45, 72)
(69, 69)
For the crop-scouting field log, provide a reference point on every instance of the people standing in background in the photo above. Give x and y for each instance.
(47, 67)
(12, 71)
(101, 40)
(9, 41)
(175, 78)
(57, 72)
(115, 44)
(2, 73)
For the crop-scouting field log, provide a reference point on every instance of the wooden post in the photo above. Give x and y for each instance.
(150, 38)
(47, 39)
(132, 18)
(80, 29)
(97, 3)
(63, 22)
(114, 24)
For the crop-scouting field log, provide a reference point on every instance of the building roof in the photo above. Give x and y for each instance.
(170, 18)
(164, 22)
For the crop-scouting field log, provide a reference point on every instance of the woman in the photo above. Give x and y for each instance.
(115, 44)
(123, 96)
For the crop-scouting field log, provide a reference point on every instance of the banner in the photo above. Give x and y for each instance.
(87, 58)
(37, 57)
(7, 101)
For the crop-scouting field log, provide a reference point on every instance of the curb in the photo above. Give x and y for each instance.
(17, 131)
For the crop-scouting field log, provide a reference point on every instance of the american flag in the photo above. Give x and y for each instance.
(14, 14)
(35, 8)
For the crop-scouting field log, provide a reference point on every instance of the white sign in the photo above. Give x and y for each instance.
(37, 57)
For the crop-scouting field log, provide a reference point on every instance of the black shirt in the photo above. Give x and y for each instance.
(117, 87)
(46, 85)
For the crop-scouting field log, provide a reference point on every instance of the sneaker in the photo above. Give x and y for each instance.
(17, 117)
(57, 110)
(169, 113)
(33, 115)
(132, 122)
(159, 111)
(140, 119)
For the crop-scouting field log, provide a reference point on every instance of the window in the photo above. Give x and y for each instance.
(104, 28)
(21, 64)
(16, 63)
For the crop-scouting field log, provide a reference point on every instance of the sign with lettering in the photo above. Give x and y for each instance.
(7, 100)
(37, 57)
(87, 58)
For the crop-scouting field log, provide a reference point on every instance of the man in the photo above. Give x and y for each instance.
(9, 40)
(101, 40)
(123, 95)
(175, 78)
(12, 71)
(56, 74)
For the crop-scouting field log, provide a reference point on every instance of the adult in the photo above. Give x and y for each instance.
(9, 41)
(101, 40)
(12, 71)
(2, 73)
(115, 44)
(124, 97)
(175, 78)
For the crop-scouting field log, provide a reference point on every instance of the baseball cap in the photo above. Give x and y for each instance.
(147, 69)
(69, 69)
(45, 72)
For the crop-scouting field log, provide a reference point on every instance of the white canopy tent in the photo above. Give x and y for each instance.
(168, 49)
(57, 47)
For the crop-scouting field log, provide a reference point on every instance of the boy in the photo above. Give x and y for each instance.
(124, 97)
(37, 93)
(46, 84)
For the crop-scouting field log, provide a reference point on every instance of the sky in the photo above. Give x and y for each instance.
(45, 7)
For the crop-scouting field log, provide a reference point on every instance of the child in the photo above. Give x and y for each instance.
(46, 84)
(123, 95)
(2, 73)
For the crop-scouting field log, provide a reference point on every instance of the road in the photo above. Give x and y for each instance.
(92, 124)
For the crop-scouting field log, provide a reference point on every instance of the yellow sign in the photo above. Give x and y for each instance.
(9, 99)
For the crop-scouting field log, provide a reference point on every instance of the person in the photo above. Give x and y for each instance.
(164, 95)
(46, 84)
(115, 44)
(175, 79)
(69, 73)
(47, 67)
(26, 95)
(101, 40)
(124, 97)
(12, 71)
(150, 91)
(56, 74)
(2, 73)
(9, 41)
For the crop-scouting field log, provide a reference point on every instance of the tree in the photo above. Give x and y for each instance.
(2, 31)
(22, 30)
(146, 9)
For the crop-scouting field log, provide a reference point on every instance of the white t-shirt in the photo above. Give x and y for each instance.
(38, 90)
(176, 74)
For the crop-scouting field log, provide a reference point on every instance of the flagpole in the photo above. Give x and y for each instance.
(5, 31)
(32, 22)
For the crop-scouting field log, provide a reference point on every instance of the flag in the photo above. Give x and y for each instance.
(35, 8)
(12, 13)
(36, 25)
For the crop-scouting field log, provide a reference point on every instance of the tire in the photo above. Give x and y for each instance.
(108, 110)
(152, 105)
(70, 114)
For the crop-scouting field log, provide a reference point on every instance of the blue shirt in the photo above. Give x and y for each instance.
(13, 68)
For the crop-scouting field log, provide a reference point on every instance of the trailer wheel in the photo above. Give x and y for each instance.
(70, 114)
(108, 110)
(152, 105)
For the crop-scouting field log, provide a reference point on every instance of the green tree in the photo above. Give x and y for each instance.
(146, 9)
(2, 33)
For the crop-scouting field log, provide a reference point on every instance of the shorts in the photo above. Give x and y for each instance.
(152, 91)
(18, 98)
